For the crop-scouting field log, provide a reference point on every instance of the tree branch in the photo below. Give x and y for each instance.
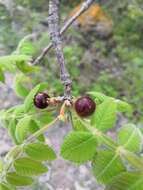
(54, 31)
(85, 5)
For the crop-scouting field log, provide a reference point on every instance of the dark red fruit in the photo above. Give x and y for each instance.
(85, 106)
(40, 100)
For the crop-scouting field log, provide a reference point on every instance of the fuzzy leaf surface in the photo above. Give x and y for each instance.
(17, 180)
(79, 147)
(22, 128)
(40, 151)
(27, 167)
(130, 137)
(4, 186)
(19, 86)
(104, 117)
(106, 164)
(127, 181)
(78, 125)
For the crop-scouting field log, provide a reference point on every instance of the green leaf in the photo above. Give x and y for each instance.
(13, 59)
(26, 47)
(40, 151)
(106, 165)
(9, 66)
(19, 87)
(12, 129)
(14, 153)
(123, 106)
(28, 167)
(78, 125)
(17, 180)
(134, 160)
(99, 97)
(43, 118)
(2, 77)
(127, 181)
(19, 111)
(104, 117)
(26, 126)
(107, 141)
(130, 137)
(16, 113)
(29, 99)
(4, 118)
(25, 68)
(79, 147)
(35, 127)
(19, 61)
(22, 128)
(4, 186)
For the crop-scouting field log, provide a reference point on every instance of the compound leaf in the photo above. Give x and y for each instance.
(106, 164)
(78, 125)
(19, 87)
(130, 137)
(26, 47)
(13, 59)
(25, 127)
(127, 181)
(18, 180)
(123, 106)
(99, 97)
(27, 167)
(4, 186)
(40, 151)
(104, 117)
(79, 147)
(12, 129)
(22, 129)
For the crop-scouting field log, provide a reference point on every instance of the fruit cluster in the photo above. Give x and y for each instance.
(84, 106)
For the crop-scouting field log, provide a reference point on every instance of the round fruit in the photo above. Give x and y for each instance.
(40, 100)
(85, 106)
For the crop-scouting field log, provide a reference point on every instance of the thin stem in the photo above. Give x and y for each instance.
(104, 138)
(9, 163)
(21, 115)
(121, 151)
(83, 8)
(54, 31)
(12, 155)
(71, 119)
(40, 132)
